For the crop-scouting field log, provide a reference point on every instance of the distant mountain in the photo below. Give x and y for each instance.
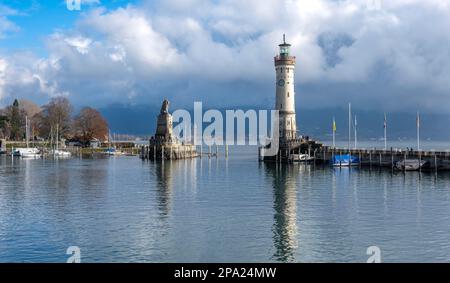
(317, 123)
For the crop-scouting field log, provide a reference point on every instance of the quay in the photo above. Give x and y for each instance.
(167, 152)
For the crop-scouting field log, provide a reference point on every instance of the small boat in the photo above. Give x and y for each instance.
(409, 164)
(60, 153)
(112, 151)
(27, 152)
(345, 160)
(3, 151)
(301, 158)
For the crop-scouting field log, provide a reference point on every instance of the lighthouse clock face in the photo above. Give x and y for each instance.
(281, 82)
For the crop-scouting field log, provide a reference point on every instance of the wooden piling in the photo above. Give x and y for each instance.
(435, 163)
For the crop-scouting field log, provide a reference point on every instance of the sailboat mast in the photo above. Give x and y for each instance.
(57, 136)
(349, 124)
(26, 130)
(356, 137)
(418, 131)
(385, 132)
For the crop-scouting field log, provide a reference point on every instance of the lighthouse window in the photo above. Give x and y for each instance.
(288, 93)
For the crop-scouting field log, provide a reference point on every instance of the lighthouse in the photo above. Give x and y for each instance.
(285, 92)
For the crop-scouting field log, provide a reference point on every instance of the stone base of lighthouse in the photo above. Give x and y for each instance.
(289, 151)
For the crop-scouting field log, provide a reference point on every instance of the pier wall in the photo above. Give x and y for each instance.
(168, 152)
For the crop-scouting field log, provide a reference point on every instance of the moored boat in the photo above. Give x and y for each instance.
(345, 160)
(410, 164)
(60, 153)
(301, 158)
(27, 152)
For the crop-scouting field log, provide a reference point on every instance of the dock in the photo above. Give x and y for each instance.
(435, 160)
(167, 152)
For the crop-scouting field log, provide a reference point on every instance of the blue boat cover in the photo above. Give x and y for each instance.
(345, 158)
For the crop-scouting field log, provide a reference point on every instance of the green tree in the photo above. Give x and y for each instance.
(16, 118)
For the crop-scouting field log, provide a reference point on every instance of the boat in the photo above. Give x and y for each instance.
(301, 158)
(410, 164)
(56, 152)
(112, 151)
(345, 160)
(27, 152)
(60, 153)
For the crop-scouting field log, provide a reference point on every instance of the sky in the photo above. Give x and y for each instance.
(379, 55)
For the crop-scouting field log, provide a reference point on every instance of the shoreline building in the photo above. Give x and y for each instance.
(290, 145)
(164, 145)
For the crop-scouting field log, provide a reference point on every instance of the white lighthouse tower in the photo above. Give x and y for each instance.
(285, 93)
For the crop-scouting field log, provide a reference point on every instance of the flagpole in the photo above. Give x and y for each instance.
(334, 133)
(385, 132)
(349, 124)
(418, 131)
(356, 137)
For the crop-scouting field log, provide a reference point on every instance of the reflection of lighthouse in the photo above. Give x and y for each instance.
(285, 101)
(285, 212)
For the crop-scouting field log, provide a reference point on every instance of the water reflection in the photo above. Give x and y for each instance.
(164, 177)
(285, 206)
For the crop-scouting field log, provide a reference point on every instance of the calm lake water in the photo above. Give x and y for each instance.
(216, 210)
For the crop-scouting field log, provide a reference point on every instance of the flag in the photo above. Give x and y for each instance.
(385, 121)
(334, 125)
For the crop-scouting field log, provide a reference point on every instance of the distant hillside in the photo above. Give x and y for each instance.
(141, 120)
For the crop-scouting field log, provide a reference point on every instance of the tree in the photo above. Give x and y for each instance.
(29, 107)
(31, 110)
(16, 118)
(56, 116)
(90, 124)
(4, 125)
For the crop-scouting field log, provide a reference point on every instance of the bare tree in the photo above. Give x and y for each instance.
(29, 107)
(56, 115)
(31, 110)
(90, 124)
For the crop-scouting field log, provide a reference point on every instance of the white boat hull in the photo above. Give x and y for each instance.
(27, 152)
(410, 164)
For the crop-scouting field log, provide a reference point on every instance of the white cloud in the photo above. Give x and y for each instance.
(389, 50)
(6, 25)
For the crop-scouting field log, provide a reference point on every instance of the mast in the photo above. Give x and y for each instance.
(26, 130)
(385, 132)
(349, 124)
(356, 137)
(418, 131)
(57, 137)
